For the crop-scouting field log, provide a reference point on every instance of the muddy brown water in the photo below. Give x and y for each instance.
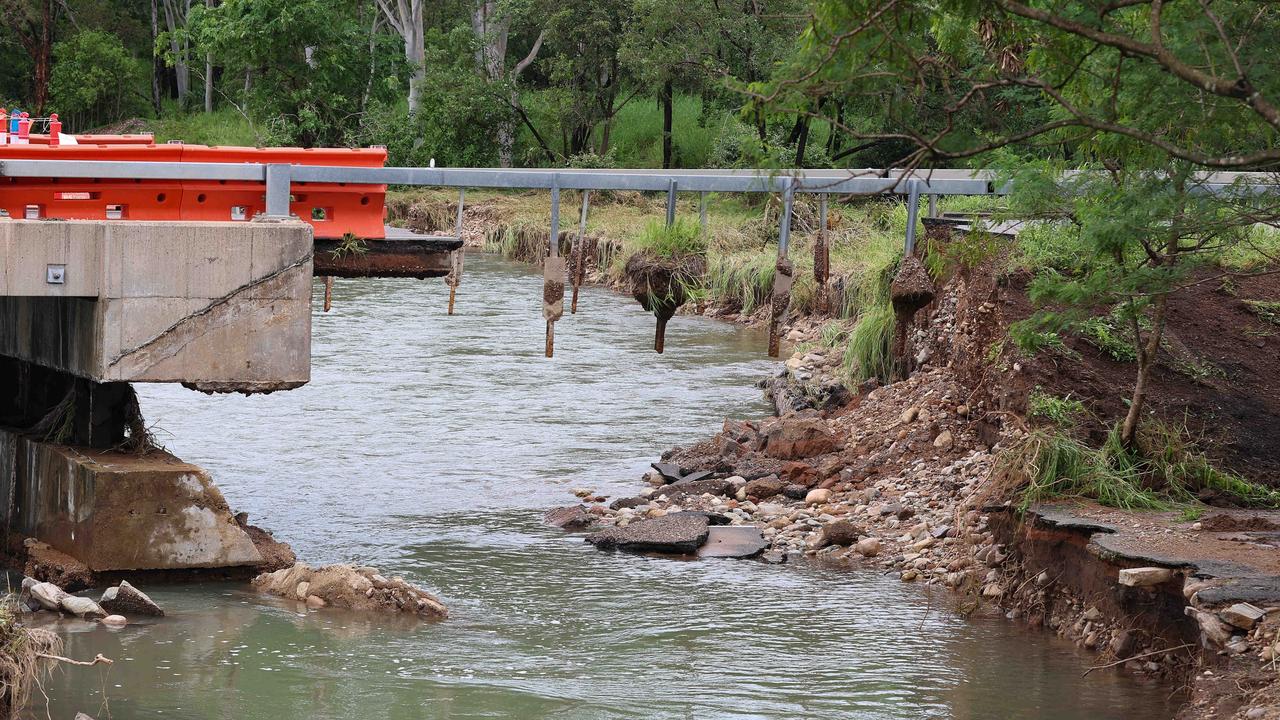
(429, 446)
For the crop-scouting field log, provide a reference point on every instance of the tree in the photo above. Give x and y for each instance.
(34, 22)
(93, 78)
(492, 27)
(178, 54)
(1138, 94)
(405, 17)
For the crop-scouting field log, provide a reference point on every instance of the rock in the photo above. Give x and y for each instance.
(697, 487)
(910, 414)
(115, 621)
(944, 441)
(1212, 630)
(582, 492)
(1123, 644)
(795, 492)
(670, 472)
(125, 599)
(679, 533)
(765, 487)
(48, 595)
(774, 557)
(303, 589)
(1242, 615)
(867, 547)
(817, 497)
(1093, 614)
(625, 503)
(1145, 576)
(796, 437)
(571, 517)
(940, 532)
(315, 602)
(82, 607)
(840, 532)
(740, 541)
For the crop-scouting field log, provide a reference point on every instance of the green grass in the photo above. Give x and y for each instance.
(221, 127)
(636, 138)
(868, 353)
(681, 238)
(1061, 411)
(1166, 470)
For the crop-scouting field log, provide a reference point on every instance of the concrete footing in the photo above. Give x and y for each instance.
(115, 510)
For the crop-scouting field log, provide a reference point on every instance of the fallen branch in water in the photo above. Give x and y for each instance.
(1137, 657)
(84, 663)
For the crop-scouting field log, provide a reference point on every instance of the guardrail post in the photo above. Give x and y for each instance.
(913, 214)
(933, 206)
(553, 274)
(278, 181)
(578, 269)
(671, 204)
(702, 212)
(783, 271)
(822, 256)
(456, 257)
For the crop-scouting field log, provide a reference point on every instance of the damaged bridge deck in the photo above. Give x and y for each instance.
(402, 254)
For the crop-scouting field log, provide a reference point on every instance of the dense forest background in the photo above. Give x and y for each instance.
(652, 83)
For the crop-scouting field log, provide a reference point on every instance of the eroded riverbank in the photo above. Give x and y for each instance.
(430, 446)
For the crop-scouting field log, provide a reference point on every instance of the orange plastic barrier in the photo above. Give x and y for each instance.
(332, 209)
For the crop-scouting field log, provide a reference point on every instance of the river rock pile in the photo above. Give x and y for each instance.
(888, 479)
(349, 587)
(116, 605)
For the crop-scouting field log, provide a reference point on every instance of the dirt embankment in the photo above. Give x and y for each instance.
(909, 478)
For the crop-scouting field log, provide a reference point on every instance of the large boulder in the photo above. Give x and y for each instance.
(125, 599)
(48, 595)
(350, 587)
(679, 533)
(796, 437)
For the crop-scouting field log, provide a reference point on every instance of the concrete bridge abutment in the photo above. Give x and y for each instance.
(89, 307)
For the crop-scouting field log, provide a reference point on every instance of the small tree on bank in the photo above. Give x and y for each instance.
(1143, 96)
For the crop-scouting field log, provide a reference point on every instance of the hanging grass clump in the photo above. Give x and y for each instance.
(667, 270)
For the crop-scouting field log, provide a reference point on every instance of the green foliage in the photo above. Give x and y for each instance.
(224, 126)
(1061, 411)
(95, 80)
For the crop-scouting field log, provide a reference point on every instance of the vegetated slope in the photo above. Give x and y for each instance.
(1216, 375)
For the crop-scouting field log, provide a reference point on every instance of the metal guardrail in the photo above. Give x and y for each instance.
(278, 179)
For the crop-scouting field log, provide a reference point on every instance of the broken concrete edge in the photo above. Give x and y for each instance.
(42, 562)
(1236, 583)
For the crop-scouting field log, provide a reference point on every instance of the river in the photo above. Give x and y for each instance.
(429, 446)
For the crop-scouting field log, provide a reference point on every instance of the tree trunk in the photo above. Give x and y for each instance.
(415, 53)
(175, 15)
(667, 102)
(208, 73)
(43, 50)
(157, 63)
(801, 142)
(1147, 352)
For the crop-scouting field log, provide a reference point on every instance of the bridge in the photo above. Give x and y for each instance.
(123, 263)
